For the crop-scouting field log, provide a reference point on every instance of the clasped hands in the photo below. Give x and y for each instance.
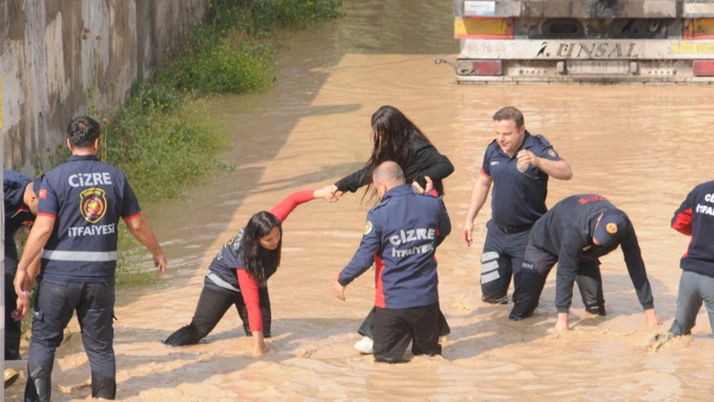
(332, 193)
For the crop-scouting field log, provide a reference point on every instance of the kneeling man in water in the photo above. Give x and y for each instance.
(400, 238)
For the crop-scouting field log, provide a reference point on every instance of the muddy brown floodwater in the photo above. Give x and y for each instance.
(643, 147)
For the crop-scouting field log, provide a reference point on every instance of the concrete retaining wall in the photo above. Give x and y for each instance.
(59, 58)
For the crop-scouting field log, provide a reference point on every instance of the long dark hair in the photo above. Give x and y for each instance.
(393, 135)
(254, 256)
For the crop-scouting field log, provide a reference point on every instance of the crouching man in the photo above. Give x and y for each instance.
(400, 238)
(575, 233)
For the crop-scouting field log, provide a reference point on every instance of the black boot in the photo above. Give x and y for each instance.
(103, 387)
(39, 383)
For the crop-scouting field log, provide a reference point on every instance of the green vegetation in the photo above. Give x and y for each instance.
(163, 142)
(234, 51)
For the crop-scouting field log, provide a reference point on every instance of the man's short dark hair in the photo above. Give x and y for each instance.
(509, 113)
(82, 132)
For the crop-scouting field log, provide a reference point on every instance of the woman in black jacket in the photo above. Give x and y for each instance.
(397, 139)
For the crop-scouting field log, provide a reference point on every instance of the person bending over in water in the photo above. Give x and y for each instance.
(239, 274)
(575, 233)
(399, 140)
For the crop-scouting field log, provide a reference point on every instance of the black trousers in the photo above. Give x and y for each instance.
(12, 327)
(394, 329)
(502, 258)
(56, 302)
(212, 306)
(536, 267)
(367, 327)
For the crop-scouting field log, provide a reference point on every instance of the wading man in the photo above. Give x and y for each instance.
(575, 233)
(75, 233)
(400, 237)
(695, 218)
(518, 165)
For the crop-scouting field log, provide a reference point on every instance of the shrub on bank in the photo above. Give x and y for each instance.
(234, 51)
(163, 142)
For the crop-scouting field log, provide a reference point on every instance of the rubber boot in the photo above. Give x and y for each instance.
(39, 383)
(103, 387)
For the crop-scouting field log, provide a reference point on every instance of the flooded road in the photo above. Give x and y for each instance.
(643, 147)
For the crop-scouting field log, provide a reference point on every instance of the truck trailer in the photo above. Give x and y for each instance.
(648, 41)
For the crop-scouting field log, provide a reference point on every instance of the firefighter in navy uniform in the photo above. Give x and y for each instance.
(20, 201)
(695, 218)
(575, 233)
(75, 232)
(401, 236)
(518, 165)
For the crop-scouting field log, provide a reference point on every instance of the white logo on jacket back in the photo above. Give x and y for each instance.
(89, 179)
(412, 235)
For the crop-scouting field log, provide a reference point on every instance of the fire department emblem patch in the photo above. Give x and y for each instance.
(93, 204)
(552, 153)
(367, 228)
(522, 167)
(611, 228)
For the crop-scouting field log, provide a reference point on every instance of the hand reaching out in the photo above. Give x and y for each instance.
(328, 193)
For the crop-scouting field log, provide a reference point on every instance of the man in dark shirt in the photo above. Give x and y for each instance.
(575, 233)
(695, 218)
(75, 233)
(518, 165)
(400, 238)
(20, 202)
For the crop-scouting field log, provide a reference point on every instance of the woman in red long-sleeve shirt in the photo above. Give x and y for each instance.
(239, 274)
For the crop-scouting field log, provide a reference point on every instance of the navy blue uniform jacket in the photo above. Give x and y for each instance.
(87, 198)
(568, 228)
(695, 217)
(401, 236)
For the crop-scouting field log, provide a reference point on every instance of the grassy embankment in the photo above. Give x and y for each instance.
(164, 138)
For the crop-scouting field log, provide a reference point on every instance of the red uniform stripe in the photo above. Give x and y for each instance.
(130, 217)
(379, 291)
(683, 223)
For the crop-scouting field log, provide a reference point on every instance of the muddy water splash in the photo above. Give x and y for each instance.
(643, 147)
